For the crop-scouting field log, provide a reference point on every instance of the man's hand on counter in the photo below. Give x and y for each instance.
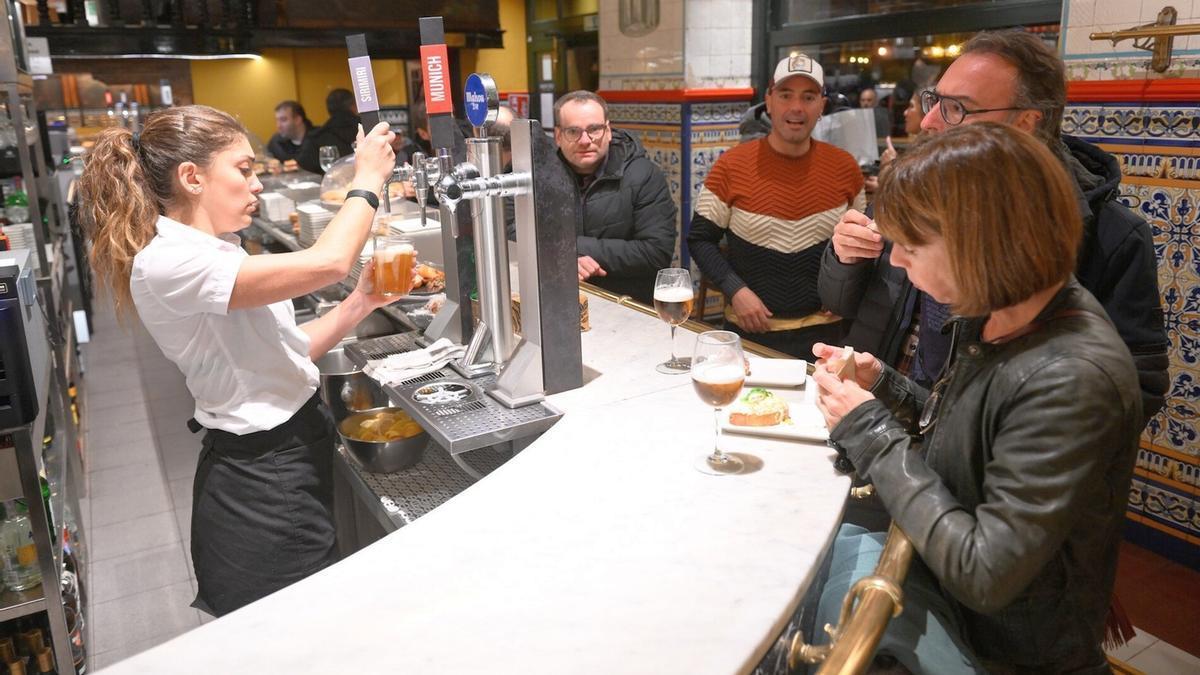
(589, 268)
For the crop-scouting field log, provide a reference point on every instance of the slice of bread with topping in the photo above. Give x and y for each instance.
(758, 408)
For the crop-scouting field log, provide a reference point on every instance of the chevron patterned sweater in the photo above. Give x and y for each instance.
(777, 213)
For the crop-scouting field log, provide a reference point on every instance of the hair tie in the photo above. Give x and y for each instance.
(135, 139)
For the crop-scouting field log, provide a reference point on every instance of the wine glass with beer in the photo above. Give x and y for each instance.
(718, 372)
(673, 299)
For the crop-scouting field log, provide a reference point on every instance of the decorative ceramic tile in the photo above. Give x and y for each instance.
(1137, 495)
(1168, 506)
(645, 113)
(1132, 123)
(1161, 187)
(718, 113)
(1172, 215)
(1182, 469)
(1096, 67)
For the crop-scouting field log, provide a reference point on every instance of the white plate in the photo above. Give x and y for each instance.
(806, 424)
(777, 372)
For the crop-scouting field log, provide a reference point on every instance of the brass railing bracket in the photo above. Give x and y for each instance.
(862, 491)
(1158, 38)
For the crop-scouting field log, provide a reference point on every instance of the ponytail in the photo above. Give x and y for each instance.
(119, 209)
(128, 182)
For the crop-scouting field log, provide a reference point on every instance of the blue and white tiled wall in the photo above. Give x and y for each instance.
(1158, 145)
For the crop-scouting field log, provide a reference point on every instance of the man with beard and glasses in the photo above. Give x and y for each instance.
(1014, 78)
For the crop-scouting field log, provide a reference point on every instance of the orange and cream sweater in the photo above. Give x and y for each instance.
(777, 213)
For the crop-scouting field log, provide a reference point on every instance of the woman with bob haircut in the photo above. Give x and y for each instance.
(162, 208)
(1011, 475)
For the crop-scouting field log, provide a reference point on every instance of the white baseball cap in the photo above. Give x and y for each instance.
(801, 65)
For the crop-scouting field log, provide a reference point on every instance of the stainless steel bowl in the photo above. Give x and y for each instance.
(345, 388)
(382, 456)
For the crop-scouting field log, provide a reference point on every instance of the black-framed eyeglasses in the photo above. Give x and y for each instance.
(953, 110)
(593, 131)
(933, 404)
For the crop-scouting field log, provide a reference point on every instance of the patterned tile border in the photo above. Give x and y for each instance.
(1135, 67)
(1132, 123)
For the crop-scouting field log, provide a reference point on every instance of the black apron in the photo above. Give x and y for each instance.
(262, 509)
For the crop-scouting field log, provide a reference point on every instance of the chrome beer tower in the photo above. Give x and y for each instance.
(546, 357)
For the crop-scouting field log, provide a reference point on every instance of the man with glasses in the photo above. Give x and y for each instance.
(774, 200)
(1014, 78)
(627, 230)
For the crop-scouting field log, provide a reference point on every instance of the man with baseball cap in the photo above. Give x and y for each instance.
(775, 201)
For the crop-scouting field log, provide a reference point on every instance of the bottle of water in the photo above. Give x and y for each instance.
(18, 554)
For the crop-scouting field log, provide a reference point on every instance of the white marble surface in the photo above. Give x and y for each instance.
(598, 549)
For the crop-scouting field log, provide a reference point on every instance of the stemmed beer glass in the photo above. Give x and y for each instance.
(718, 373)
(327, 155)
(673, 299)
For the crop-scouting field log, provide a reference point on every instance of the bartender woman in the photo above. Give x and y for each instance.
(163, 209)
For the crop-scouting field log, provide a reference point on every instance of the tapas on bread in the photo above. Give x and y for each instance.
(762, 412)
(759, 408)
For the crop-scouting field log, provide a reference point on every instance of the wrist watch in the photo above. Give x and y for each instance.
(371, 198)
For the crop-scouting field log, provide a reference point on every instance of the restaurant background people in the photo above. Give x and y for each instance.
(291, 126)
(774, 200)
(1010, 77)
(419, 139)
(626, 232)
(339, 130)
(163, 207)
(1011, 475)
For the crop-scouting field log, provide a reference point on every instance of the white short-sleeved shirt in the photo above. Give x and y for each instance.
(248, 369)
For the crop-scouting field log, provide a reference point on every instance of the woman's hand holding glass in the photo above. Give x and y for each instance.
(837, 397)
(373, 158)
(366, 286)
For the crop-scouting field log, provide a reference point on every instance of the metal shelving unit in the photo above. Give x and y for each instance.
(20, 466)
(22, 462)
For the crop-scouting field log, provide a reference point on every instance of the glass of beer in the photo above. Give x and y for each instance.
(718, 372)
(673, 299)
(394, 257)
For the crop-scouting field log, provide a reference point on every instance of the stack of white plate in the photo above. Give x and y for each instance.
(275, 207)
(313, 219)
(20, 235)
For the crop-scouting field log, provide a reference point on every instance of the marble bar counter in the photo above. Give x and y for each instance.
(597, 549)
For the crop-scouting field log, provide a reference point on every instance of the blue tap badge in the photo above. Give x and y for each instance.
(481, 100)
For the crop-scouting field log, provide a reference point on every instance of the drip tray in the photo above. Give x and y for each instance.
(377, 348)
(461, 416)
(458, 413)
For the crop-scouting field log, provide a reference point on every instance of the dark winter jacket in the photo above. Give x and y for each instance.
(1116, 264)
(755, 123)
(628, 220)
(341, 130)
(282, 148)
(1015, 497)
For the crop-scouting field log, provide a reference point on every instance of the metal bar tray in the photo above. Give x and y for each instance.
(406, 495)
(465, 417)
